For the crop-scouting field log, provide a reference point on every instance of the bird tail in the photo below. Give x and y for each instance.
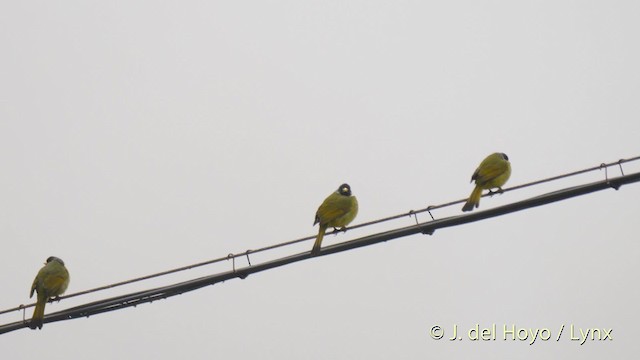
(316, 245)
(38, 314)
(474, 199)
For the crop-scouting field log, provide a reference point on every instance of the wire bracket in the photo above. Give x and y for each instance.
(414, 214)
(620, 165)
(606, 175)
(24, 312)
(233, 261)
(428, 232)
(247, 255)
(429, 211)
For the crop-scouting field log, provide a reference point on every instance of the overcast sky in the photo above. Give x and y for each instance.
(140, 136)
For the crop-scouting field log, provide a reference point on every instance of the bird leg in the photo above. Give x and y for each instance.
(338, 230)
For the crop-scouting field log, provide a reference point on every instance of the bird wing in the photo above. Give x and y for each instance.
(54, 283)
(328, 214)
(33, 287)
(489, 172)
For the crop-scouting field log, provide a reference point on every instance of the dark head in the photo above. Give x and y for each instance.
(504, 156)
(53, 258)
(345, 190)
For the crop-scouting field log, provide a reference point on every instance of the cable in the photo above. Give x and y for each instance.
(291, 242)
(134, 299)
(615, 183)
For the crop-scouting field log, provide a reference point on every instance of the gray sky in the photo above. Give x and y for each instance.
(137, 137)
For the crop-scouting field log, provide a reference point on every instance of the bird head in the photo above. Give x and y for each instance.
(53, 258)
(345, 190)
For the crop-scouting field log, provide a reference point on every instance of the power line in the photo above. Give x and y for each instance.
(247, 253)
(427, 228)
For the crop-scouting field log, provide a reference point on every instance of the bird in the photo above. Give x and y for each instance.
(493, 172)
(51, 282)
(336, 211)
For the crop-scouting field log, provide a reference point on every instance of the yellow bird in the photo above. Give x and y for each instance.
(493, 172)
(336, 211)
(52, 281)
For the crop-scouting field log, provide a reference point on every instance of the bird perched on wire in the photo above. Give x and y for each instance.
(493, 172)
(336, 211)
(52, 281)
